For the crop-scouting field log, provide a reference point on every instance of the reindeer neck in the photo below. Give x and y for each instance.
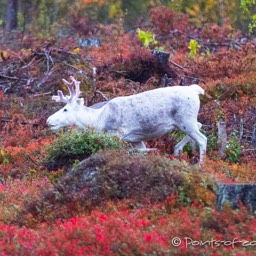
(88, 117)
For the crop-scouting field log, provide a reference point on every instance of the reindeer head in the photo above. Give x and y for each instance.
(68, 115)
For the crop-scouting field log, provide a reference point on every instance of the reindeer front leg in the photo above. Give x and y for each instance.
(179, 147)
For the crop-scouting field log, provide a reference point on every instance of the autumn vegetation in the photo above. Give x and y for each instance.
(87, 193)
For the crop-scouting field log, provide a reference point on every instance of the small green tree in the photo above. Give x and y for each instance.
(146, 37)
(193, 47)
(233, 149)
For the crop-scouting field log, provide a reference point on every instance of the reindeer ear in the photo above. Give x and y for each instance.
(80, 101)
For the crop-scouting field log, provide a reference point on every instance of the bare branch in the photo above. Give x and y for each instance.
(42, 94)
(102, 95)
(9, 77)
(176, 65)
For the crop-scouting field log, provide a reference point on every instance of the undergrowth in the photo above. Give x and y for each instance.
(75, 144)
(117, 175)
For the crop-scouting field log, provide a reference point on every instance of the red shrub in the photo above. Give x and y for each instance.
(166, 20)
(140, 231)
(225, 63)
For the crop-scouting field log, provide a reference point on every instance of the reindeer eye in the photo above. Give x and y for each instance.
(65, 110)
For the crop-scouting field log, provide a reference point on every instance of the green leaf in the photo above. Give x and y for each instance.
(146, 37)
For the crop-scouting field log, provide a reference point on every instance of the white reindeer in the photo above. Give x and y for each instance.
(136, 118)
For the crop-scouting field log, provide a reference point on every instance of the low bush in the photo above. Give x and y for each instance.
(116, 175)
(138, 65)
(17, 162)
(147, 231)
(15, 194)
(235, 87)
(77, 144)
(225, 63)
(222, 171)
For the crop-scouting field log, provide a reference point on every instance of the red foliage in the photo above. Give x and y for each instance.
(214, 34)
(124, 67)
(166, 20)
(135, 232)
(225, 63)
(22, 159)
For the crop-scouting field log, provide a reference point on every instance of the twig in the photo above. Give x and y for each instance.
(177, 65)
(12, 52)
(208, 125)
(48, 59)
(199, 79)
(241, 131)
(7, 120)
(9, 77)
(28, 156)
(65, 63)
(41, 94)
(102, 95)
(30, 63)
(45, 78)
(118, 72)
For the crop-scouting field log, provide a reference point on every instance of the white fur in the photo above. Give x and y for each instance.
(140, 117)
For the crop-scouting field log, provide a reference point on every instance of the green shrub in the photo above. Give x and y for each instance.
(193, 47)
(77, 144)
(233, 149)
(147, 38)
(212, 141)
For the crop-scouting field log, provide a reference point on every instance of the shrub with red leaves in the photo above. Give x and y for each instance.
(150, 230)
(166, 20)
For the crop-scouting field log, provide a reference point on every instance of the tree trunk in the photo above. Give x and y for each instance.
(11, 21)
(222, 137)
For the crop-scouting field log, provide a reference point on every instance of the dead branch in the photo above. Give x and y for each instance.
(9, 77)
(101, 94)
(42, 94)
(8, 120)
(71, 66)
(31, 63)
(177, 65)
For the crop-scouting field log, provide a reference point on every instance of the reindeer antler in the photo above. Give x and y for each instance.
(74, 91)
